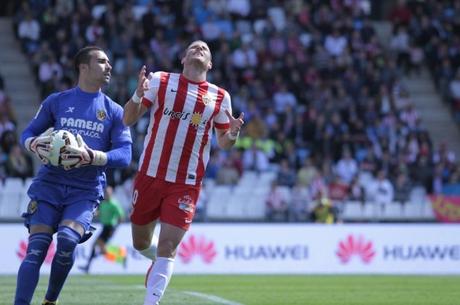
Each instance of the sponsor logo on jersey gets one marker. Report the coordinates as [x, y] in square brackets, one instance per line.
[82, 124]
[180, 115]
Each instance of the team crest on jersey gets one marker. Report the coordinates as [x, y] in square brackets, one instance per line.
[32, 207]
[206, 99]
[101, 115]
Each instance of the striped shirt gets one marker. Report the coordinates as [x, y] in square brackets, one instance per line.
[182, 116]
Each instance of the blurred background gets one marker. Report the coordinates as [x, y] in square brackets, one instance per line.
[352, 107]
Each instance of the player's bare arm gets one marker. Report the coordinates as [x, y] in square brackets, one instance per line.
[134, 109]
[227, 138]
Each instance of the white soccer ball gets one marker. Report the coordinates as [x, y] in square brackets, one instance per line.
[59, 139]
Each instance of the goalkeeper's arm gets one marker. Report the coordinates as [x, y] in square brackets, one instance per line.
[75, 157]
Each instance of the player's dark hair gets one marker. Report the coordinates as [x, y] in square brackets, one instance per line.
[83, 57]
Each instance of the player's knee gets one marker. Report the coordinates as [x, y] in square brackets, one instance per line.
[67, 241]
[167, 248]
[141, 244]
[37, 248]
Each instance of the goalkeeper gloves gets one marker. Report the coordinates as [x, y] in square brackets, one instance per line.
[40, 145]
[82, 155]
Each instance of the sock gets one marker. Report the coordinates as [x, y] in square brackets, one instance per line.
[29, 271]
[62, 262]
[150, 252]
[158, 280]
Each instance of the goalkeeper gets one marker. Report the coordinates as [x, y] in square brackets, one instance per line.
[64, 198]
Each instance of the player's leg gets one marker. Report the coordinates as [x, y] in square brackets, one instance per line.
[77, 218]
[143, 240]
[161, 272]
[28, 275]
[68, 237]
[177, 211]
[40, 219]
[146, 202]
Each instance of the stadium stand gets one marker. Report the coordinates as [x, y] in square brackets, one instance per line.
[322, 94]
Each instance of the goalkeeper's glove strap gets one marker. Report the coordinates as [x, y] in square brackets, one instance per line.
[97, 157]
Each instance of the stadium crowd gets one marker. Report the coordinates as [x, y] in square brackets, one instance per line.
[323, 98]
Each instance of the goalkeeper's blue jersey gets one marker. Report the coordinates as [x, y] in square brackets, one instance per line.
[97, 119]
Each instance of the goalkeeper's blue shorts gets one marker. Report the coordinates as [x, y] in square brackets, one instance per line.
[52, 203]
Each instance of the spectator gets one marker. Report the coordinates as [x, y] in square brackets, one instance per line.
[19, 164]
[382, 191]
[299, 206]
[454, 87]
[277, 203]
[255, 159]
[324, 211]
[347, 167]
[227, 174]
[5, 104]
[286, 175]
[402, 188]
[307, 172]
[29, 33]
[6, 124]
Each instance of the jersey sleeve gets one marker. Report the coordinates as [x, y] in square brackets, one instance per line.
[119, 132]
[43, 119]
[151, 94]
[120, 135]
[221, 120]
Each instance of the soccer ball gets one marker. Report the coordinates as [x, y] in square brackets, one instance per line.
[59, 139]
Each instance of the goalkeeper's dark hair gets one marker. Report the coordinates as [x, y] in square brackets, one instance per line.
[83, 57]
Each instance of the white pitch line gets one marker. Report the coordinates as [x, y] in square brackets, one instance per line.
[212, 298]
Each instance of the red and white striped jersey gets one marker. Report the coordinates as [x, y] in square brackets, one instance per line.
[183, 114]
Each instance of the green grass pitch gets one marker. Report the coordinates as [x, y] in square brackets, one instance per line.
[254, 290]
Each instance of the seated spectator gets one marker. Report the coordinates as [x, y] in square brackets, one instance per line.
[452, 187]
[6, 124]
[286, 175]
[7, 140]
[356, 191]
[5, 104]
[299, 206]
[277, 203]
[19, 164]
[29, 33]
[454, 88]
[255, 159]
[227, 174]
[307, 172]
[402, 188]
[422, 173]
[338, 189]
[381, 191]
[347, 167]
[324, 211]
